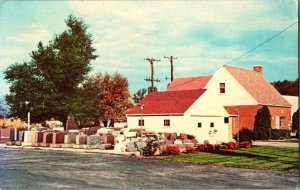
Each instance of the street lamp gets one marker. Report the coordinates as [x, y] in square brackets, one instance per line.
[238, 133]
[28, 115]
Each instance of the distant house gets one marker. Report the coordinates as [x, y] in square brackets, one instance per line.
[229, 100]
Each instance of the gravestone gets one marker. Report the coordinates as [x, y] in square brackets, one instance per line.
[47, 139]
[57, 139]
[94, 142]
[80, 141]
[92, 130]
[69, 140]
[94, 139]
[21, 138]
[130, 147]
[29, 138]
[7, 134]
[71, 123]
[38, 139]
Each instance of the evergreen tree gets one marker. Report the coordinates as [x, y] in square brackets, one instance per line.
[295, 122]
[262, 124]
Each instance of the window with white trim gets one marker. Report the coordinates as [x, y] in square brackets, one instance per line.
[212, 124]
[199, 124]
[281, 122]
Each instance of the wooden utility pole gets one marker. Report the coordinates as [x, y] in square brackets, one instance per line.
[152, 80]
[172, 70]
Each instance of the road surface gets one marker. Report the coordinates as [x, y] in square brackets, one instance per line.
[54, 169]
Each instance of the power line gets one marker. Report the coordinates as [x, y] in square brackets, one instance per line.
[246, 53]
[261, 44]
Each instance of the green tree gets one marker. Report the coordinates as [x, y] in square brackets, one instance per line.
[287, 87]
[262, 124]
[295, 121]
[139, 95]
[50, 80]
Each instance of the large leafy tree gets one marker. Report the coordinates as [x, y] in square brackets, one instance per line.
[139, 95]
[114, 98]
[47, 83]
[287, 87]
[262, 124]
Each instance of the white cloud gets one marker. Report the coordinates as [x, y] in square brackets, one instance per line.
[33, 34]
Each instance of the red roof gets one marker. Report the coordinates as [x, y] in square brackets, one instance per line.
[257, 86]
[168, 102]
[189, 83]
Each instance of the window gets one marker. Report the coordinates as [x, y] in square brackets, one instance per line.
[167, 123]
[212, 124]
[199, 125]
[141, 122]
[226, 120]
[281, 122]
[222, 88]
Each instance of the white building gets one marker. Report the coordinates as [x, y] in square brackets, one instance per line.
[212, 108]
[193, 112]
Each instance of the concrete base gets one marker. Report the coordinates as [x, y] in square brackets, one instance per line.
[95, 146]
[26, 144]
[10, 143]
[45, 144]
[55, 145]
[78, 146]
[18, 143]
[36, 144]
[67, 145]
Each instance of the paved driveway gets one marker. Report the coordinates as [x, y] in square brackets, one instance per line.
[51, 169]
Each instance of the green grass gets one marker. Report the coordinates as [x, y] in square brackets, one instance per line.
[257, 157]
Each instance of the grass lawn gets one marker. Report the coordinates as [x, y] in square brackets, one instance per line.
[257, 157]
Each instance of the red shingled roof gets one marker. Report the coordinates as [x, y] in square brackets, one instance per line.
[189, 83]
[257, 86]
[168, 102]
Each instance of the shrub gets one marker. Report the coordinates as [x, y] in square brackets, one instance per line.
[190, 149]
[280, 134]
[295, 121]
[245, 144]
[172, 150]
[245, 135]
[190, 137]
[210, 148]
[231, 145]
[217, 148]
[206, 147]
[262, 124]
[202, 147]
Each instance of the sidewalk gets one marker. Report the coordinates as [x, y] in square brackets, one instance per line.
[278, 143]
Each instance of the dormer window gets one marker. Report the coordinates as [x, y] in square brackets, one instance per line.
[222, 88]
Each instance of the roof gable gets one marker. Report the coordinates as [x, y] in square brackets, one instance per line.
[257, 86]
[168, 102]
[189, 83]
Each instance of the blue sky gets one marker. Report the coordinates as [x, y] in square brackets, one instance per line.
[203, 35]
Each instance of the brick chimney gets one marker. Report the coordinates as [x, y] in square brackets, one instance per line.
[258, 68]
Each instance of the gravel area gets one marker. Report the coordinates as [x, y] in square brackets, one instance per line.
[52, 169]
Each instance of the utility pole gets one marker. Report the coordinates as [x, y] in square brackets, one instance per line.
[171, 61]
[152, 80]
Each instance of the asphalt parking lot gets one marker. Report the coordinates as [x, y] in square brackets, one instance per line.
[53, 169]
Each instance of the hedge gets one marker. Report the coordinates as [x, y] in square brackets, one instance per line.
[280, 134]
